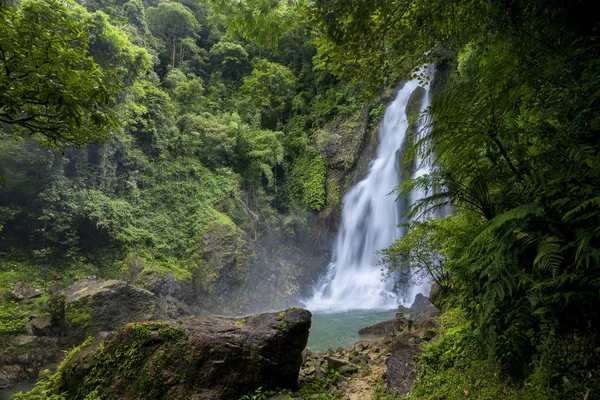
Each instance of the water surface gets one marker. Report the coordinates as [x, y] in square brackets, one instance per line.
[340, 329]
[19, 387]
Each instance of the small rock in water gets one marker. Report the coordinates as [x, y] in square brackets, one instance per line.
[9, 375]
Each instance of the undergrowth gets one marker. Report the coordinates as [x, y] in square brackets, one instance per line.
[454, 367]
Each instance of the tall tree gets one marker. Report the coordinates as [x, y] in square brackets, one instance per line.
[172, 22]
[263, 22]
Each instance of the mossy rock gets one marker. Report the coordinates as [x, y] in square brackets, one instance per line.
[224, 255]
[201, 357]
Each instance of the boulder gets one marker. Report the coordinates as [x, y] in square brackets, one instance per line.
[404, 340]
[10, 375]
[401, 370]
[348, 369]
[336, 363]
[421, 305]
[362, 345]
[424, 322]
[195, 357]
[95, 306]
[24, 291]
[165, 285]
[40, 326]
[388, 327]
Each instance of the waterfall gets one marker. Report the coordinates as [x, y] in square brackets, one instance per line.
[370, 220]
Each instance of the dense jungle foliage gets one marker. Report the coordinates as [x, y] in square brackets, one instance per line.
[192, 119]
[514, 125]
[129, 127]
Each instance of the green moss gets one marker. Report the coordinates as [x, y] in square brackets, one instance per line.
[241, 323]
[222, 247]
[78, 316]
[14, 315]
[149, 263]
[126, 361]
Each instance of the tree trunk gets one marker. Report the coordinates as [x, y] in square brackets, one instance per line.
[173, 64]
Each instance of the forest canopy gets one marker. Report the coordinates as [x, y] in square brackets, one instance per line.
[176, 118]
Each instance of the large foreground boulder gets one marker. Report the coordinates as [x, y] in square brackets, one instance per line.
[193, 358]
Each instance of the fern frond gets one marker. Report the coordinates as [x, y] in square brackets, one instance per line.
[549, 257]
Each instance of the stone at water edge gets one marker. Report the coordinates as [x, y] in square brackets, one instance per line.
[194, 357]
[9, 374]
[24, 291]
[421, 305]
[388, 327]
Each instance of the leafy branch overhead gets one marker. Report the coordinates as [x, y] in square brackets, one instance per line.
[50, 86]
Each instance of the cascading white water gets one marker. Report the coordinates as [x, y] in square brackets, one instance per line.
[370, 219]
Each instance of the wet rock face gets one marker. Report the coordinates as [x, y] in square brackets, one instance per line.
[275, 278]
[165, 285]
[200, 358]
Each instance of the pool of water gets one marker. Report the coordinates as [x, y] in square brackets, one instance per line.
[19, 387]
[340, 329]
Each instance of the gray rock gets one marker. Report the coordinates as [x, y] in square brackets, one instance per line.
[421, 305]
[348, 369]
[386, 327]
[10, 375]
[424, 322]
[40, 326]
[404, 340]
[25, 356]
[320, 371]
[336, 363]
[23, 340]
[401, 370]
[165, 285]
[111, 304]
[200, 357]
[23, 291]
